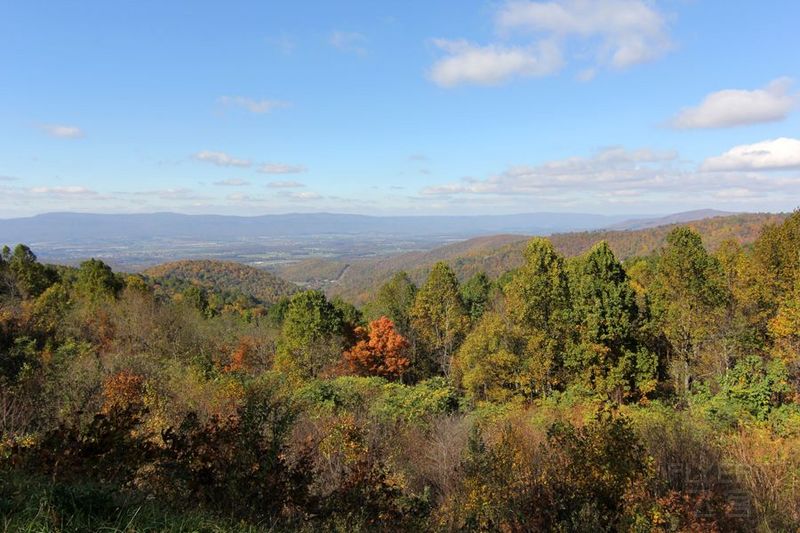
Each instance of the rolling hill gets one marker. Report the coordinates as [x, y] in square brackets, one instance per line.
[225, 277]
[497, 254]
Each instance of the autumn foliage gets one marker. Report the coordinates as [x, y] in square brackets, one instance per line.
[380, 351]
[241, 355]
[122, 390]
[589, 393]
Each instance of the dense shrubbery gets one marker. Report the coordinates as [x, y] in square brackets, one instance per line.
[661, 394]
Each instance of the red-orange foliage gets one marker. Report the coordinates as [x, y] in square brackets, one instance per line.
[380, 352]
[240, 357]
[122, 390]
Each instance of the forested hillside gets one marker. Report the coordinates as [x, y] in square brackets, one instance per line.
[577, 393]
[225, 277]
[498, 254]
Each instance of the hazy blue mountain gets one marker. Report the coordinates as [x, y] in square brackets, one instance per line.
[82, 227]
[675, 218]
[136, 241]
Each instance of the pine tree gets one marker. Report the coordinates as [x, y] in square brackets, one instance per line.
[607, 355]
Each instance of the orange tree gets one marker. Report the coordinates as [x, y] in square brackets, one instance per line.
[381, 351]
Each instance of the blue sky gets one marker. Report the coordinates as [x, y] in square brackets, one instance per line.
[606, 106]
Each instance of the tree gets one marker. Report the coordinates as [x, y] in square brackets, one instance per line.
[351, 317]
[311, 336]
[50, 308]
[767, 278]
[196, 297]
[137, 283]
[756, 386]
[475, 294]
[785, 331]
[380, 351]
[96, 280]
[605, 312]
[438, 317]
[394, 300]
[537, 301]
[276, 312]
[493, 363]
[776, 253]
[688, 301]
[30, 277]
[6, 283]
[747, 310]
[537, 297]
[123, 390]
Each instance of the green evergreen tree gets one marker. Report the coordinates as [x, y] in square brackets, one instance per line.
[607, 356]
[537, 297]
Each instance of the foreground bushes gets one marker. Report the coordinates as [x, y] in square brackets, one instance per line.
[277, 463]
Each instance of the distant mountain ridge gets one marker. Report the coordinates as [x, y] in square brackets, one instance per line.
[676, 218]
[323, 243]
[79, 227]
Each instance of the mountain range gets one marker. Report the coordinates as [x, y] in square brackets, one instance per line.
[89, 227]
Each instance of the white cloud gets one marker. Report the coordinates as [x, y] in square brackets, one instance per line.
[349, 41]
[177, 193]
[72, 190]
[281, 168]
[764, 172]
[171, 193]
[8, 178]
[252, 105]
[492, 64]
[610, 169]
[285, 184]
[735, 107]
[303, 196]
[737, 193]
[614, 33]
[775, 154]
[62, 131]
[629, 32]
[240, 197]
[221, 159]
[233, 182]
